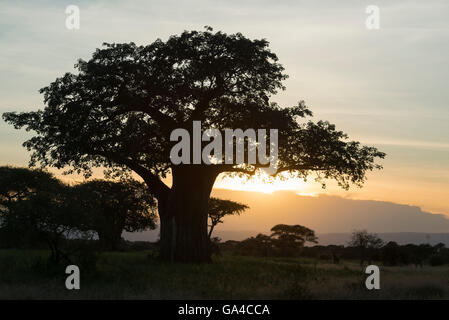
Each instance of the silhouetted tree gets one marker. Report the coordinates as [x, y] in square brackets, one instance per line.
[219, 208]
[419, 253]
[366, 243]
[19, 184]
[265, 243]
[391, 254]
[215, 245]
[289, 238]
[120, 107]
[440, 255]
[34, 208]
[260, 245]
[111, 207]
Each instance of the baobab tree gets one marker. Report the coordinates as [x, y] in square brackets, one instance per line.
[118, 111]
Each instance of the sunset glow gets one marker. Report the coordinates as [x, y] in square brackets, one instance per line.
[261, 182]
[224, 159]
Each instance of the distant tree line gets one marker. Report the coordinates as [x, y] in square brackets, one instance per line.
[285, 240]
[364, 247]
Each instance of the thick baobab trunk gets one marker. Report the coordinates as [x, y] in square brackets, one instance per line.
[183, 215]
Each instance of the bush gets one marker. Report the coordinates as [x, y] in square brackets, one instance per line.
[437, 260]
[86, 256]
[324, 256]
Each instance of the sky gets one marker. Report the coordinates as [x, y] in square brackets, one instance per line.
[385, 87]
[333, 218]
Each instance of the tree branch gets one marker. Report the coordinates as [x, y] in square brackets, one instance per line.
[154, 183]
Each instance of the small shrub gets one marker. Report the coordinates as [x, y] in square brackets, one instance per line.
[436, 260]
[324, 257]
[86, 258]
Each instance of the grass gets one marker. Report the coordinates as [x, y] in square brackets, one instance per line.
[25, 274]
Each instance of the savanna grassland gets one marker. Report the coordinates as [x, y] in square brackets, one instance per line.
[26, 274]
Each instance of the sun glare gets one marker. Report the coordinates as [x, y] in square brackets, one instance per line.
[261, 183]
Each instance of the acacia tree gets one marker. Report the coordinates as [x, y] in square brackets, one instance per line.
[291, 237]
[293, 233]
[119, 109]
[366, 243]
[34, 208]
[219, 208]
[110, 207]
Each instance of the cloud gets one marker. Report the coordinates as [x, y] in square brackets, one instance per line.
[330, 213]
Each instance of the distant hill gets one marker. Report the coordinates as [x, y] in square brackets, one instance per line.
[333, 218]
[328, 214]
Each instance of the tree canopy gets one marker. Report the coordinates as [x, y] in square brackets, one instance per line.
[111, 207]
[121, 105]
[365, 242]
[219, 208]
[34, 207]
[118, 109]
[293, 233]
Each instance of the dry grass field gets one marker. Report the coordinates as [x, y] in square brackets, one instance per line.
[137, 275]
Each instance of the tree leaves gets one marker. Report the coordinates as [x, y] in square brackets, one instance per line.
[118, 110]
